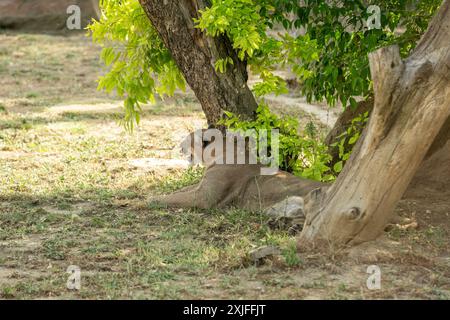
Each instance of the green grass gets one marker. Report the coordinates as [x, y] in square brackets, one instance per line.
[87, 206]
[68, 196]
[187, 178]
[32, 95]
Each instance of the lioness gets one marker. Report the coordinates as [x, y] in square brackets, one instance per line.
[240, 185]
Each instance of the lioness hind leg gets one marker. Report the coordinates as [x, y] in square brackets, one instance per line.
[177, 199]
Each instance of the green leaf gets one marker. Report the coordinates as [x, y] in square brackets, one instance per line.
[353, 139]
[338, 167]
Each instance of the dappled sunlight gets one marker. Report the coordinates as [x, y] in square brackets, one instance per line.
[75, 188]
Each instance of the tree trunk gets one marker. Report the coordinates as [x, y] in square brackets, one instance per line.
[196, 54]
[441, 139]
[345, 119]
[412, 103]
[96, 6]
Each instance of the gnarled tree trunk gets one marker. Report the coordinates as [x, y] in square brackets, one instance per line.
[196, 54]
[96, 6]
[412, 103]
[345, 119]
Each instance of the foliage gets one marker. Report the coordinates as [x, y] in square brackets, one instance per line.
[348, 139]
[325, 44]
[329, 56]
[139, 64]
[301, 153]
[290, 255]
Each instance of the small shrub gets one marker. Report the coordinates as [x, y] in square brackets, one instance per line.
[348, 139]
[301, 153]
[290, 255]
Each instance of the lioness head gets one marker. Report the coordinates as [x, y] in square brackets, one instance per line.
[193, 145]
[202, 147]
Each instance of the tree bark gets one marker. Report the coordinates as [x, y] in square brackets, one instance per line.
[96, 6]
[345, 119]
[412, 103]
[195, 53]
[441, 139]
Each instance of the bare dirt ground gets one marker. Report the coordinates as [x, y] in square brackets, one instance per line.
[72, 194]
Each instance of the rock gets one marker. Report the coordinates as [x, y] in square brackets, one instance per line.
[288, 215]
[410, 226]
[262, 252]
[291, 207]
[43, 15]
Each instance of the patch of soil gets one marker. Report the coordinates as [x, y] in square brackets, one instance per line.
[151, 164]
[87, 108]
[76, 209]
[27, 244]
[10, 276]
[8, 155]
[433, 177]
[429, 193]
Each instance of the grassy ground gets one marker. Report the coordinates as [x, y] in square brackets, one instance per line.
[69, 196]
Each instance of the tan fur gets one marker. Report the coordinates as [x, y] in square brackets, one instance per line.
[239, 185]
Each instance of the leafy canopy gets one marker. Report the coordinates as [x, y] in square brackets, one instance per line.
[139, 64]
[325, 43]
